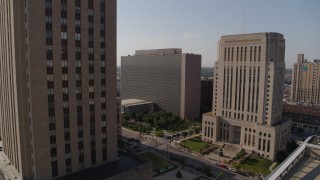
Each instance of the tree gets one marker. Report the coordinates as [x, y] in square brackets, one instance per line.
[197, 130]
[240, 154]
[191, 132]
[139, 116]
[133, 115]
[125, 117]
[220, 175]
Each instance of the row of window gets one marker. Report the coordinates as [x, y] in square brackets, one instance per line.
[240, 53]
[65, 84]
[240, 88]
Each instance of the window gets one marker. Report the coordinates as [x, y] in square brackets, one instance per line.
[49, 34]
[48, 20]
[63, 35]
[77, 37]
[77, 23]
[54, 168]
[63, 21]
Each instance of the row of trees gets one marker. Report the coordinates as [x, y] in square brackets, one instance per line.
[164, 120]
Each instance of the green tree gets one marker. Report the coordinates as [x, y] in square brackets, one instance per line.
[133, 115]
[220, 175]
[240, 154]
[197, 130]
[139, 117]
[125, 117]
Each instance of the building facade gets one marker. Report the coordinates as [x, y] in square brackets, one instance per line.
[247, 94]
[303, 116]
[206, 94]
[58, 85]
[306, 81]
[166, 77]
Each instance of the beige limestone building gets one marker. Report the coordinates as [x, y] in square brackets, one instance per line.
[166, 77]
[306, 81]
[247, 94]
[58, 85]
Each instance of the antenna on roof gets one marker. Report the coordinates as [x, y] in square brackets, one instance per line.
[244, 22]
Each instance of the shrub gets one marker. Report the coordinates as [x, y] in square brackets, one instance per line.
[240, 154]
[159, 133]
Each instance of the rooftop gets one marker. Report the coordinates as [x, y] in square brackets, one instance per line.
[315, 141]
[306, 104]
[134, 102]
[159, 51]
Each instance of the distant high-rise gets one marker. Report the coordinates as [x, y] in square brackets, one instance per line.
[247, 94]
[306, 81]
[166, 77]
[58, 85]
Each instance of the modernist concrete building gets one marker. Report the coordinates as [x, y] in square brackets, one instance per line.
[247, 94]
[130, 106]
[166, 77]
[306, 81]
[58, 85]
[119, 126]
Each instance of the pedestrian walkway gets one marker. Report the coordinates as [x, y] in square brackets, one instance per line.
[7, 170]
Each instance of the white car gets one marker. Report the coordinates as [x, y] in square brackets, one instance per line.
[232, 169]
[215, 162]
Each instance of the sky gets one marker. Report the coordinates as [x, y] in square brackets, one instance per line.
[196, 25]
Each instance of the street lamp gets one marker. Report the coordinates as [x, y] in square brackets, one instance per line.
[156, 145]
[167, 149]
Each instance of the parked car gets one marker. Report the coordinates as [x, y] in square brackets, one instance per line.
[232, 169]
[223, 166]
[215, 163]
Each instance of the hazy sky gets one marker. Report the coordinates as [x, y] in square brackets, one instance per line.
[196, 25]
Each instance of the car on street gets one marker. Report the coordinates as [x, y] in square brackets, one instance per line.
[232, 169]
[215, 162]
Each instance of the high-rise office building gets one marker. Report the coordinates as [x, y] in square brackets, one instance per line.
[247, 94]
[167, 77]
[58, 85]
[306, 81]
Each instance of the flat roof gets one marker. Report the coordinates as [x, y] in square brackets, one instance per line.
[125, 163]
[315, 140]
[134, 101]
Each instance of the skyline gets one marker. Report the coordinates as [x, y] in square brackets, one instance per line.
[142, 25]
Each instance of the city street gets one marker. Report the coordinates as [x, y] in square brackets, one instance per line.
[162, 146]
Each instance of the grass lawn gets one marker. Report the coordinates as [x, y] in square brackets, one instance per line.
[275, 166]
[195, 144]
[157, 161]
[256, 165]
